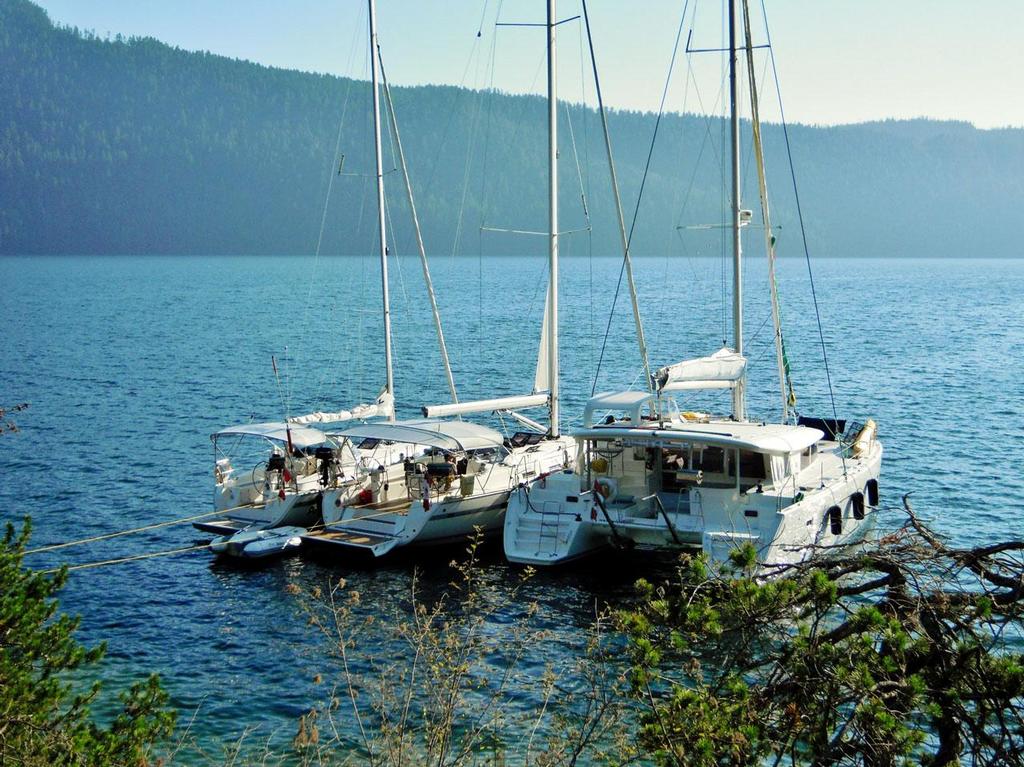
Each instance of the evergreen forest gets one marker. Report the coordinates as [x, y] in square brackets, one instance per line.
[128, 145]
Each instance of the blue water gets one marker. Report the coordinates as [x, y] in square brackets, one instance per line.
[130, 363]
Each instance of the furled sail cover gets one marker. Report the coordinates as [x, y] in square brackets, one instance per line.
[542, 376]
[384, 406]
[719, 371]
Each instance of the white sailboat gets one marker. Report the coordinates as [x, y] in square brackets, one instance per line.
[268, 475]
[287, 490]
[460, 475]
[653, 476]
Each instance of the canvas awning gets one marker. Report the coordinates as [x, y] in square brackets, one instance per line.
[632, 402]
[302, 436]
[775, 439]
[445, 435]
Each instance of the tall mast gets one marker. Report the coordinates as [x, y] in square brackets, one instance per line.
[785, 384]
[738, 405]
[419, 234]
[553, 223]
[375, 77]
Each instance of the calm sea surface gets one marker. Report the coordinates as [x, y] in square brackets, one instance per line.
[131, 363]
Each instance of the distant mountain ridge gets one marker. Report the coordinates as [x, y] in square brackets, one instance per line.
[132, 146]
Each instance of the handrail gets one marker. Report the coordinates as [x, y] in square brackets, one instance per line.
[664, 515]
[604, 510]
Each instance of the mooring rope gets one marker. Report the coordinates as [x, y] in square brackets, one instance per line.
[149, 555]
[120, 560]
[155, 526]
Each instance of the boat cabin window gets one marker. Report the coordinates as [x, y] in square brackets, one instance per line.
[710, 460]
[716, 464]
[488, 453]
[752, 467]
[525, 438]
[673, 461]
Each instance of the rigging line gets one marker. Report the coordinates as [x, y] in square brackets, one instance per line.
[356, 33]
[800, 216]
[483, 15]
[280, 391]
[579, 172]
[313, 282]
[643, 182]
[627, 260]
[485, 188]
[669, 241]
[118, 534]
[753, 337]
[590, 232]
[474, 127]
[120, 560]
[393, 252]
[705, 142]
[461, 218]
[518, 123]
[452, 111]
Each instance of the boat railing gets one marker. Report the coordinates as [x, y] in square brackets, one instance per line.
[664, 515]
[608, 518]
[491, 466]
[519, 469]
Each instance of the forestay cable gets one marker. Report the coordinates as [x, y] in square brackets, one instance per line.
[639, 199]
[800, 216]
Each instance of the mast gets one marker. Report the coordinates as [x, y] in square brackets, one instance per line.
[553, 224]
[419, 235]
[738, 405]
[389, 386]
[785, 384]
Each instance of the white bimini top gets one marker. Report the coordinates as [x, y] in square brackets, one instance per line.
[446, 435]
[302, 436]
[772, 438]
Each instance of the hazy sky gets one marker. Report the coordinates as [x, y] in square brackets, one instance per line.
[839, 61]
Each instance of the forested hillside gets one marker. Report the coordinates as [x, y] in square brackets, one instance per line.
[132, 146]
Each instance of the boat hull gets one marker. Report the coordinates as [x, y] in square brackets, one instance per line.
[556, 521]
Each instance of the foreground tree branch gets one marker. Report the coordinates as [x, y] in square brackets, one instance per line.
[45, 718]
[905, 651]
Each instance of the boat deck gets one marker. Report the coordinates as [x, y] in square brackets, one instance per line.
[344, 538]
[221, 526]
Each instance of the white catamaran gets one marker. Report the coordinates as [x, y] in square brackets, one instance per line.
[652, 476]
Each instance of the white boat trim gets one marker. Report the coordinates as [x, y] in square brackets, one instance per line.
[446, 435]
[301, 436]
[774, 439]
[486, 405]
